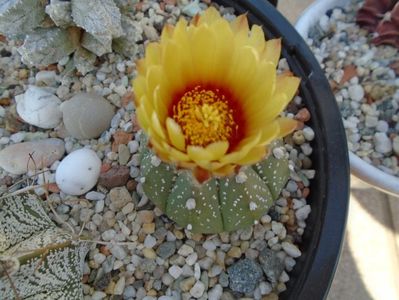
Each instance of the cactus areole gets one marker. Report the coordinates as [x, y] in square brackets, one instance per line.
[209, 101]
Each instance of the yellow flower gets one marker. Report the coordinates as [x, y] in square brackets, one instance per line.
[208, 95]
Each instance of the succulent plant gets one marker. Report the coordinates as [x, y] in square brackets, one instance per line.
[381, 18]
[38, 260]
[210, 101]
[52, 30]
[219, 204]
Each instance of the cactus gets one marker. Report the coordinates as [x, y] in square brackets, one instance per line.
[54, 29]
[219, 204]
[38, 260]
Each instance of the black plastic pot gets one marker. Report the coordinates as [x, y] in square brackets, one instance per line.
[323, 237]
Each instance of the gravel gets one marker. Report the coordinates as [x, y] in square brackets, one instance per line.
[137, 253]
[365, 85]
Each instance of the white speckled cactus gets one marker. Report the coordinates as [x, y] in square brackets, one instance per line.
[219, 204]
[54, 29]
[37, 259]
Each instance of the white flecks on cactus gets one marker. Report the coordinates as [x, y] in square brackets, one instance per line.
[252, 206]
[190, 203]
[50, 263]
[83, 162]
[279, 152]
[241, 177]
[189, 227]
[155, 161]
[40, 107]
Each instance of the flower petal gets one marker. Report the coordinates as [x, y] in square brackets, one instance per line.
[199, 154]
[288, 85]
[272, 51]
[240, 24]
[156, 125]
[253, 156]
[175, 134]
[209, 16]
[217, 149]
[257, 38]
[286, 125]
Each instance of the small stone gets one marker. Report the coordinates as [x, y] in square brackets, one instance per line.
[133, 146]
[291, 249]
[148, 228]
[119, 197]
[118, 252]
[185, 250]
[120, 286]
[192, 259]
[19, 158]
[371, 121]
[166, 249]
[215, 293]
[129, 292]
[46, 77]
[356, 92]
[308, 133]
[234, 252]
[303, 212]
[149, 253]
[197, 290]
[209, 245]
[271, 264]
[382, 143]
[39, 107]
[94, 196]
[114, 177]
[98, 295]
[150, 241]
[395, 144]
[191, 9]
[298, 137]
[123, 154]
[87, 115]
[187, 284]
[303, 115]
[382, 126]
[175, 271]
[244, 275]
[99, 258]
[145, 216]
[265, 288]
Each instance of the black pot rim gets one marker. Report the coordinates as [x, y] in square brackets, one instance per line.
[323, 237]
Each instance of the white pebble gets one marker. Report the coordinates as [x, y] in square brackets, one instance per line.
[133, 146]
[94, 196]
[291, 249]
[120, 286]
[382, 143]
[215, 293]
[84, 162]
[17, 137]
[209, 245]
[303, 212]
[185, 250]
[356, 92]
[99, 258]
[192, 259]
[175, 271]
[150, 241]
[371, 121]
[382, 126]
[265, 288]
[197, 290]
[308, 133]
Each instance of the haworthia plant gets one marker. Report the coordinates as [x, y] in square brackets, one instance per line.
[219, 204]
[38, 260]
[54, 29]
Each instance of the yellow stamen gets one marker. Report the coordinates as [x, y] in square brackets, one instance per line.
[204, 116]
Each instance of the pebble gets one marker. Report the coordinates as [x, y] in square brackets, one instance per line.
[197, 290]
[114, 177]
[303, 212]
[40, 107]
[166, 249]
[119, 197]
[175, 271]
[19, 158]
[84, 162]
[185, 250]
[216, 292]
[120, 286]
[118, 252]
[46, 77]
[382, 143]
[356, 92]
[395, 145]
[244, 275]
[150, 241]
[271, 264]
[291, 249]
[87, 115]
[95, 196]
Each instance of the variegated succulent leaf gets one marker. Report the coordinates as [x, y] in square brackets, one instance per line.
[218, 204]
[50, 260]
[19, 17]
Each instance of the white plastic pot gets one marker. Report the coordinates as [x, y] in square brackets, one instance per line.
[361, 169]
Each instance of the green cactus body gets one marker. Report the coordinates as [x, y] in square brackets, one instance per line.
[219, 204]
[38, 260]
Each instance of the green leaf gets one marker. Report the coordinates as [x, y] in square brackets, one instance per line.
[244, 199]
[195, 205]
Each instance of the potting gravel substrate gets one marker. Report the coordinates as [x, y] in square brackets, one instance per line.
[364, 78]
[82, 125]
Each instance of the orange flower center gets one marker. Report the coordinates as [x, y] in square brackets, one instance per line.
[205, 116]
